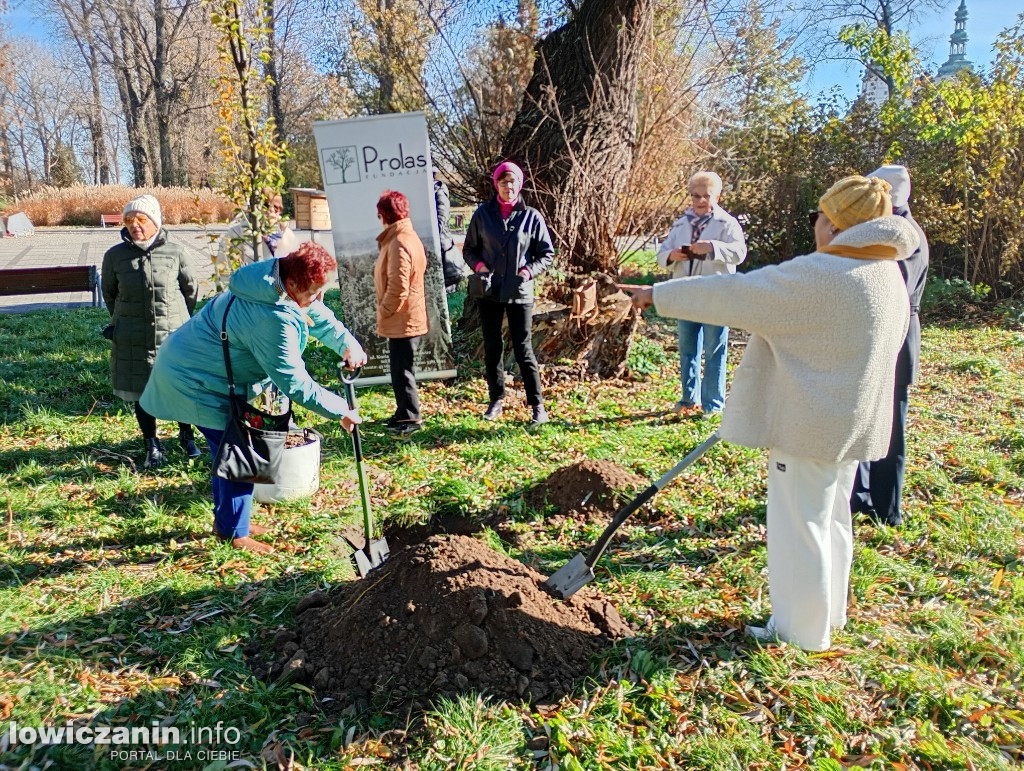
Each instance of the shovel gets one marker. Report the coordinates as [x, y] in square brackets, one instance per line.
[369, 552]
[579, 571]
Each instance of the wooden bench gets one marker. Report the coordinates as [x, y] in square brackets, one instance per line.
[111, 219]
[74, 278]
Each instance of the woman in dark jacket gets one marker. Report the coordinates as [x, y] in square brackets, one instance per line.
[510, 241]
[150, 291]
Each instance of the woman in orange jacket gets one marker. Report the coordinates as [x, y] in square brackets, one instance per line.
[401, 304]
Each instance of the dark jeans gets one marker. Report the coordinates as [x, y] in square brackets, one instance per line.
[147, 424]
[520, 329]
[878, 485]
[401, 352]
[232, 501]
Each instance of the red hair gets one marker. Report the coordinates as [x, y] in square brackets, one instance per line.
[309, 265]
[392, 206]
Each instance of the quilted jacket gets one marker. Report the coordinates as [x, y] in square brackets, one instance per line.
[149, 294]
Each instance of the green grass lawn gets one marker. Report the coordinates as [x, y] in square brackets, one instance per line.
[116, 609]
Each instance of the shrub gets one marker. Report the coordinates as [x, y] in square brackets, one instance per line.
[83, 204]
[646, 357]
[944, 296]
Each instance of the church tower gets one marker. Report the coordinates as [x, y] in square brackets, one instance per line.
[873, 90]
[957, 46]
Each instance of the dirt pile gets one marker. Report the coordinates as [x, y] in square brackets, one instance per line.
[441, 617]
[587, 487]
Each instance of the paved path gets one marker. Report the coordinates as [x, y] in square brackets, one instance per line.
[55, 247]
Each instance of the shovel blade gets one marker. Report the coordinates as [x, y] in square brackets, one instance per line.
[363, 565]
[371, 556]
[379, 551]
[570, 578]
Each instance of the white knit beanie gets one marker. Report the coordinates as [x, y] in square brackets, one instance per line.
[899, 178]
[148, 205]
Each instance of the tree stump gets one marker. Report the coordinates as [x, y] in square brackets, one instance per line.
[587, 322]
[584, 323]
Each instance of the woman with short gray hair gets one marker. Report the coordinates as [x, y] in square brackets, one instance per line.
[705, 241]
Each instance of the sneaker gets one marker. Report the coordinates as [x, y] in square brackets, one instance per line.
[540, 416]
[763, 634]
[494, 410]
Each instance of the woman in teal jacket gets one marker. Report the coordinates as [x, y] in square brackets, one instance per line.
[279, 306]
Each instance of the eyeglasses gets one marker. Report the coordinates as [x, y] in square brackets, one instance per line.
[142, 219]
[812, 217]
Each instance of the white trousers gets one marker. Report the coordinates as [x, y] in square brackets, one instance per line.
[810, 547]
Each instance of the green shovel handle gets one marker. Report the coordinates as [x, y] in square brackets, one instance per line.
[357, 446]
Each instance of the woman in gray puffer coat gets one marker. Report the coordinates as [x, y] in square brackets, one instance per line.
[150, 291]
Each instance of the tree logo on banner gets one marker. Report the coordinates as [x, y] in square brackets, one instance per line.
[341, 161]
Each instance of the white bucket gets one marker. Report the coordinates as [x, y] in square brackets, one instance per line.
[300, 472]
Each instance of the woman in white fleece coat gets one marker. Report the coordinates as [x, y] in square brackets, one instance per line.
[814, 388]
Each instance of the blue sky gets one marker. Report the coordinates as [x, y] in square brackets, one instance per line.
[985, 20]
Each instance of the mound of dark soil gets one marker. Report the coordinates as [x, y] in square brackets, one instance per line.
[441, 617]
[588, 487]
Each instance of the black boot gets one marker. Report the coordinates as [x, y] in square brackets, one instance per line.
[188, 442]
[154, 454]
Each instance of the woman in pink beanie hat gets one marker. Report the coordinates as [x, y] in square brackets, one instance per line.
[509, 242]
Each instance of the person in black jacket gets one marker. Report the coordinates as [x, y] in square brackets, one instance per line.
[452, 264]
[510, 241]
[878, 485]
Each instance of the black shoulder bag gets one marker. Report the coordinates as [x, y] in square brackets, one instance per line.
[253, 441]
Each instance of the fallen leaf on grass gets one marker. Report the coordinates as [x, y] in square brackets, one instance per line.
[977, 715]
[860, 760]
[997, 580]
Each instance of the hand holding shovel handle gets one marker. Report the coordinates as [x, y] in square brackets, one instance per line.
[373, 551]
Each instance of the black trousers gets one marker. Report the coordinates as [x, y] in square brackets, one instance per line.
[520, 330]
[401, 352]
[147, 424]
[878, 486]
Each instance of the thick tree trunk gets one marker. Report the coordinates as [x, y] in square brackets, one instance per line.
[80, 16]
[135, 133]
[575, 137]
[133, 97]
[97, 133]
[163, 95]
[575, 131]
